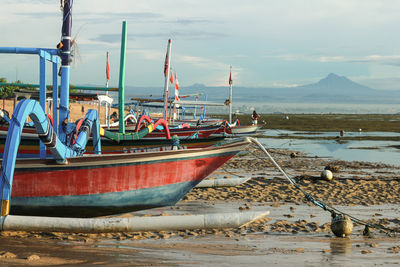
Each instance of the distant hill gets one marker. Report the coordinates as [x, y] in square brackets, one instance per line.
[331, 89]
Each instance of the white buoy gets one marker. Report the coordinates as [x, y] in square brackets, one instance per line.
[131, 224]
[327, 175]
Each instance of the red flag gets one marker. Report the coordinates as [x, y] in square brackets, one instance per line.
[176, 82]
[230, 78]
[166, 66]
[108, 69]
[176, 88]
[171, 78]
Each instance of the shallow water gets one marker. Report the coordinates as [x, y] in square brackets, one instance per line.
[327, 134]
[263, 249]
[352, 150]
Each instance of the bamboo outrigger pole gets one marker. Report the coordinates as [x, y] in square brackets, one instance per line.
[134, 224]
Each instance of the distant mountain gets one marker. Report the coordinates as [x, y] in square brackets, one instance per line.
[335, 84]
[331, 89]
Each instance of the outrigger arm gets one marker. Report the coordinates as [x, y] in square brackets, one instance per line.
[30, 108]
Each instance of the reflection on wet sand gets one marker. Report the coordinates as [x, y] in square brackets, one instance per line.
[341, 245]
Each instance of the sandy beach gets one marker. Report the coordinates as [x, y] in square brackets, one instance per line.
[295, 231]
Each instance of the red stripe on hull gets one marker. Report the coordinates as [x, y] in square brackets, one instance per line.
[112, 179]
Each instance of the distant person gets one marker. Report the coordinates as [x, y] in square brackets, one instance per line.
[254, 117]
[114, 116]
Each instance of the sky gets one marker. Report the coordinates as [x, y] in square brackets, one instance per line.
[268, 43]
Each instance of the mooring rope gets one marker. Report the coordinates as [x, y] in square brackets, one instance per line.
[320, 203]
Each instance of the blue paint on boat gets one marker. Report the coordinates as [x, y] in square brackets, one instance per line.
[99, 204]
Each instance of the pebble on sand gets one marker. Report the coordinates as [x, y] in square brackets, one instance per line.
[33, 257]
[7, 255]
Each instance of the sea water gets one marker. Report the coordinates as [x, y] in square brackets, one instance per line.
[349, 150]
[325, 108]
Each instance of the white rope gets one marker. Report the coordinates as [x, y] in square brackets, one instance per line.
[255, 141]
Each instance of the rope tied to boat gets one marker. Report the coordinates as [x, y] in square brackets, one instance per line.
[334, 212]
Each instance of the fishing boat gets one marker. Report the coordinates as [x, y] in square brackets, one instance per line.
[136, 139]
[96, 185]
[74, 184]
[29, 146]
[244, 129]
[183, 131]
[235, 128]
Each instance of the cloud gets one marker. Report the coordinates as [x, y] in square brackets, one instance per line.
[106, 17]
[393, 60]
[284, 85]
[107, 38]
[39, 15]
[193, 35]
[149, 54]
[202, 62]
[189, 21]
[379, 59]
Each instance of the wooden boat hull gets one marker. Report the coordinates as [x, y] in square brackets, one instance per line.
[245, 130]
[202, 132]
[29, 146]
[108, 184]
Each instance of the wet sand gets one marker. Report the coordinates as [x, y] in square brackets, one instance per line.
[295, 233]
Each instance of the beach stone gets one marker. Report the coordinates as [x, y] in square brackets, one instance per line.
[7, 255]
[332, 168]
[33, 257]
[300, 250]
[366, 251]
[394, 249]
[373, 245]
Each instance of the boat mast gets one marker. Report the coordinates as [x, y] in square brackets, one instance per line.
[167, 70]
[108, 107]
[230, 96]
[121, 87]
[65, 54]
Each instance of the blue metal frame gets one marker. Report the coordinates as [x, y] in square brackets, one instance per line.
[44, 55]
[54, 140]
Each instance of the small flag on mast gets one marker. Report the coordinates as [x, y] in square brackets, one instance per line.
[171, 78]
[230, 77]
[176, 88]
[107, 71]
[176, 96]
[166, 66]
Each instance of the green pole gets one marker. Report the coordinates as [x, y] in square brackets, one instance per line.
[121, 87]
